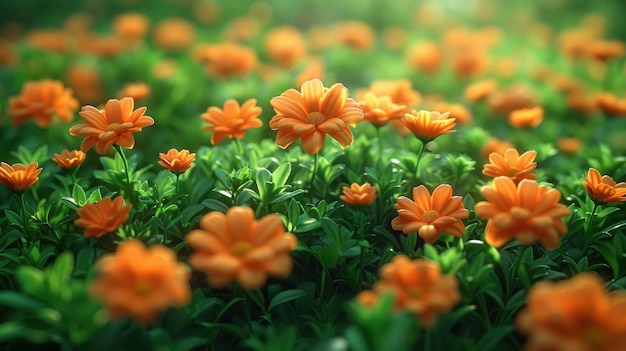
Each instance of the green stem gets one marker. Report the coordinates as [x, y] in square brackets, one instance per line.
[419, 158]
[411, 242]
[361, 237]
[380, 146]
[239, 151]
[131, 190]
[588, 227]
[315, 162]
[25, 223]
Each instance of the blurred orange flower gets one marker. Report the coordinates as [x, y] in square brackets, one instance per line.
[41, 101]
[241, 29]
[511, 164]
[603, 188]
[526, 117]
[131, 26]
[113, 125]
[573, 314]
[610, 105]
[469, 63]
[103, 217]
[401, 93]
[480, 90]
[512, 98]
[569, 145]
[314, 68]
[358, 194]
[227, 59]
[140, 282]
[604, 50]
[425, 56]
[285, 46]
[495, 145]
[235, 246]
[428, 215]
[526, 212]
[69, 159]
[379, 110]
[53, 40]
[355, 34]
[427, 125]
[18, 177]
[174, 34]
[86, 81]
[136, 91]
[233, 121]
[313, 113]
[176, 161]
[457, 111]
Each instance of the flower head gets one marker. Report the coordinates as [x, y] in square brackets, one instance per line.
[19, 177]
[285, 46]
[174, 34]
[359, 194]
[131, 26]
[425, 56]
[527, 212]
[235, 246]
[136, 91]
[113, 125]
[233, 121]
[526, 117]
[511, 164]
[569, 145]
[41, 101]
[428, 215]
[69, 159]
[313, 113]
[140, 282]
[103, 217]
[603, 188]
[427, 125]
[227, 60]
[176, 161]
[495, 145]
[379, 110]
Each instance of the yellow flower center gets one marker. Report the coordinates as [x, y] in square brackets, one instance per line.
[240, 248]
[112, 127]
[142, 288]
[315, 118]
[430, 216]
[512, 172]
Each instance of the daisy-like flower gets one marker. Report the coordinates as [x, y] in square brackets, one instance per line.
[227, 59]
[569, 145]
[113, 125]
[495, 145]
[136, 91]
[131, 26]
[235, 246]
[176, 161]
[526, 212]
[379, 110]
[69, 159]
[428, 215]
[313, 113]
[603, 188]
[427, 125]
[526, 117]
[140, 282]
[285, 46]
[610, 105]
[103, 217]
[41, 101]
[18, 177]
[574, 314]
[511, 164]
[418, 286]
[233, 121]
[358, 194]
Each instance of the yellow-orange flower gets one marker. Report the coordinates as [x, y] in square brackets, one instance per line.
[480, 90]
[113, 125]
[140, 282]
[428, 215]
[19, 177]
[41, 101]
[610, 105]
[131, 26]
[233, 121]
[569, 145]
[174, 34]
[425, 56]
[235, 246]
[427, 125]
[513, 98]
[136, 91]
[603, 187]
[574, 314]
[103, 217]
[86, 81]
[358, 194]
[511, 164]
[69, 159]
[495, 145]
[355, 34]
[314, 68]
[605, 50]
[285, 46]
[418, 287]
[313, 113]
[457, 111]
[526, 117]
[176, 161]
[526, 212]
[379, 110]
[227, 60]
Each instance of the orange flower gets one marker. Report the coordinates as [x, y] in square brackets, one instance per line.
[401, 93]
[140, 282]
[603, 188]
[86, 81]
[569, 145]
[418, 286]
[227, 59]
[480, 90]
[425, 56]
[394, 38]
[513, 98]
[18, 177]
[176, 161]
[469, 63]
[69, 159]
[355, 34]
[457, 111]
[314, 68]
[136, 91]
[359, 194]
[495, 145]
[131, 26]
[526, 117]
[428, 215]
[113, 125]
[427, 125]
[174, 34]
[313, 113]
[379, 110]
[606, 50]
[285, 46]
[574, 314]
[103, 217]
[233, 121]
[526, 212]
[511, 164]
[235, 246]
[41, 101]
[610, 105]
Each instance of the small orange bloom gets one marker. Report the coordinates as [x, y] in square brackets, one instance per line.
[18, 177]
[428, 215]
[527, 212]
[401, 93]
[457, 111]
[136, 91]
[69, 159]
[313, 113]
[495, 145]
[469, 63]
[574, 314]
[103, 217]
[526, 117]
[285, 46]
[41, 101]
[314, 68]
[418, 287]
[427, 125]
[358, 194]
[379, 110]
[511, 164]
[227, 59]
[176, 161]
[241, 29]
[86, 81]
[174, 34]
[234, 246]
[355, 34]
[113, 125]
[604, 50]
[131, 26]
[233, 121]
[569, 145]
[610, 105]
[603, 188]
[513, 98]
[140, 282]
[480, 90]
[425, 56]
[394, 38]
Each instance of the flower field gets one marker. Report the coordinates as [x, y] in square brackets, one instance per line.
[312, 175]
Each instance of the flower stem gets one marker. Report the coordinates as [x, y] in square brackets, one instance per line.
[25, 223]
[131, 190]
[588, 227]
[315, 162]
[419, 158]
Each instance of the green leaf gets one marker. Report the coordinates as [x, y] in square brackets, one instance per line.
[19, 301]
[78, 194]
[285, 296]
[328, 256]
[215, 205]
[281, 174]
[31, 279]
[491, 338]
